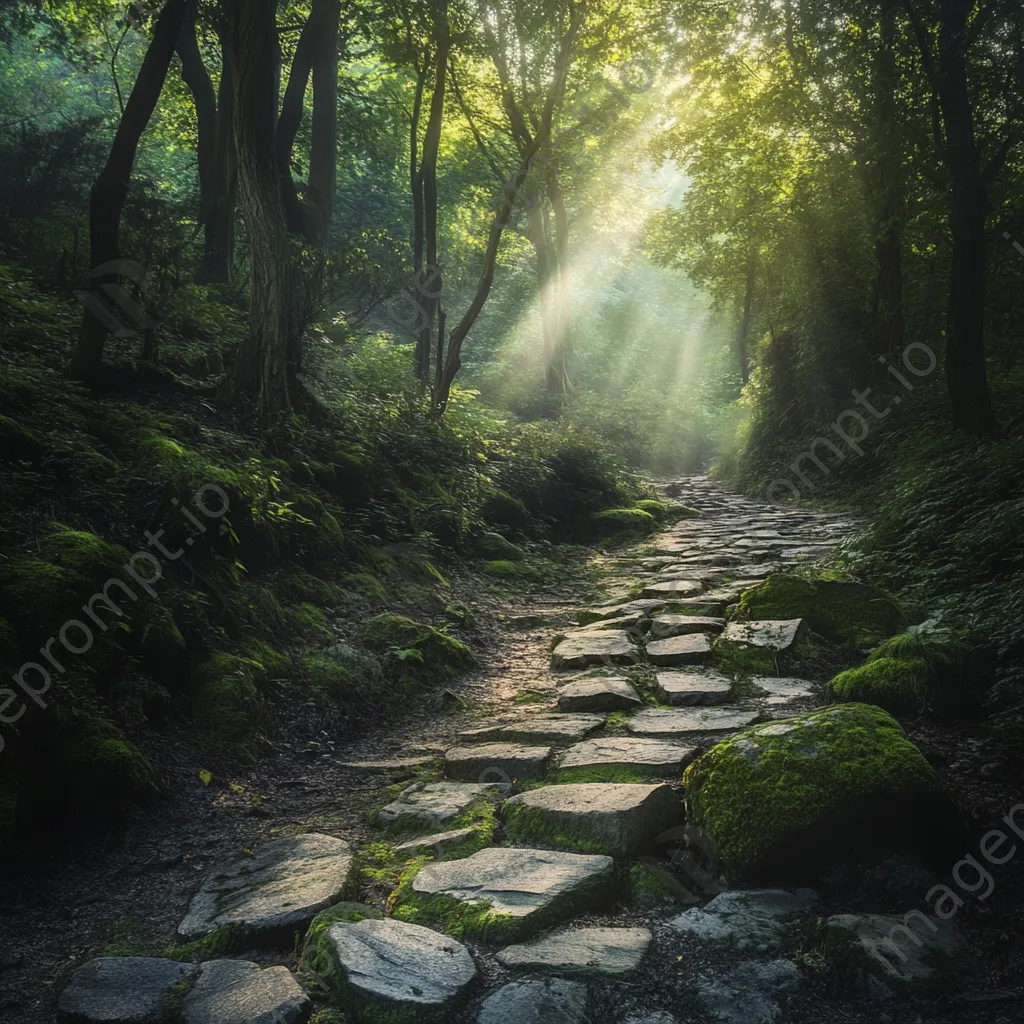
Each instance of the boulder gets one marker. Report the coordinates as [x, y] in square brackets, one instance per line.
[509, 892]
[229, 991]
[609, 951]
[598, 693]
[617, 819]
[749, 993]
[124, 990]
[536, 1001]
[497, 762]
[686, 688]
[789, 798]
[841, 610]
[267, 896]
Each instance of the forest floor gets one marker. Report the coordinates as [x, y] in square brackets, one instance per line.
[126, 895]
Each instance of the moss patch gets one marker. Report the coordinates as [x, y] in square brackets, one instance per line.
[415, 649]
[896, 684]
[529, 826]
[318, 962]
[758, 795]
[342, 672]
[622, 522]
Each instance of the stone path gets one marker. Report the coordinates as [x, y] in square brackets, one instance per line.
[537, 868]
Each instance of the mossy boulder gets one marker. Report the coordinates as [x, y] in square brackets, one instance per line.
[342, 672]
[493, 547]
[502, 509]
[789, 798]
[414, 647]
[896, 684]
[843, 611]
[622, 522]
[318, 960]
[226, 703]
[658, 509]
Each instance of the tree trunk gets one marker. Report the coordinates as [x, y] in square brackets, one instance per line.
[220, 233]
[197, 78]
[558, 378]
[260, 370]
[966, 376]
[107, 199]
[428, 173]
[887, 188]
[323, 152]
[743, 334]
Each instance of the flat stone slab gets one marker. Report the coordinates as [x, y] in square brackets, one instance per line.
[554, 728]
[783, 691]
[650, 757]
[670, 590]
[273, 892]
[598, 693]
[438, 840]
[532, 889]
[625, 621]
[434, 803]
[536, 1001]
[710, 607]
[766, 634]
[497, 762]
[615, 611]
[691, 649]
[621, 818]
[752, 919]
[899, 955]
[393, 764]
[397, 966]
[599, 647]
[749, 993]
[687, 688]
[123, 990]
[229, 991]
[688, 721]
[612, 951]
[668, 625]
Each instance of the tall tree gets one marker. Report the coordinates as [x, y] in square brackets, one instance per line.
[109, 193]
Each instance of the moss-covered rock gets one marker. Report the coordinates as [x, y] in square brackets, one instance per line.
[102, 771]
[494, 547]
[318, 961]
[342, 672]
[793, 795]
[841, 610]
[502, 509]
[414, 647]
[622, 522]
[226, 703]
[896, 684]
[658, 509]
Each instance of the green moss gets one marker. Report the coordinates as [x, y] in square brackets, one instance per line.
[329, 1016]
[309, 620]
[493, 546]
[342, 672]
[504, 569]
[504, 510]
[226, 704]
[367, 586]
[415, 648]
[301, 587]
[459, 613]
[217, 944]
[529, 826]
[841, 610]
[274, 664]
[757, 790]
[896, 684]
[658, 509]
[455, 917]
[607, 773]
[622, 522]
[102, 770]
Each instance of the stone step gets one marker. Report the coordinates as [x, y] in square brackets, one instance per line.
[267, 896]
[598, 693]
[581, 951]
[536, 1001]
[611, 756]
[612, 647]
[698, 687]
[619, 819]
[497, 762]
[672, 590]
[688, 649]
[689, 721]
[665, 626]
[430, 804]
[766, 634]
[525, 890]
[542, 728]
